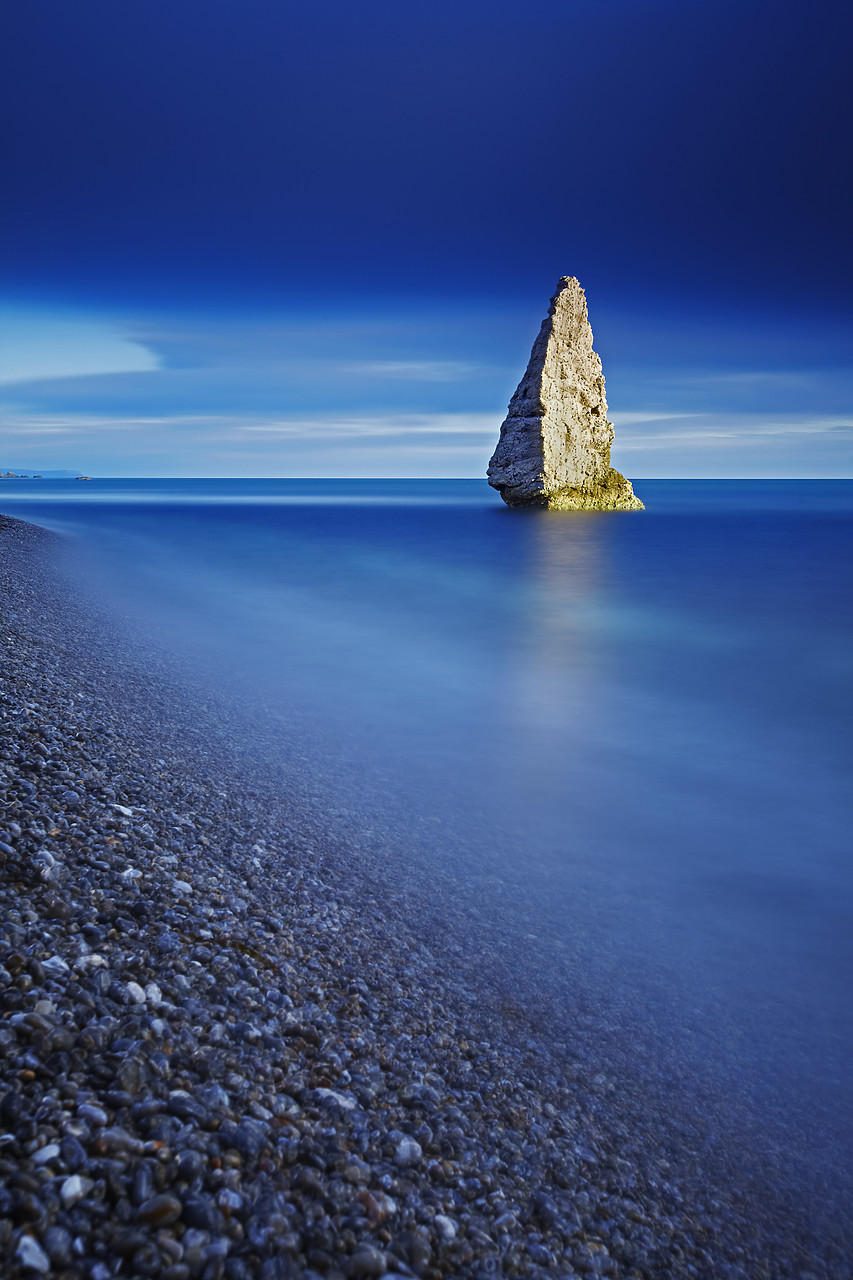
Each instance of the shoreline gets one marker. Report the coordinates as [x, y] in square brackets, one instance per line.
[223, 1055]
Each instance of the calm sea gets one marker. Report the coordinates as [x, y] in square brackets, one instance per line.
[613, 748]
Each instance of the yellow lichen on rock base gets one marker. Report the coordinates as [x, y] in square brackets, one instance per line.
[615, 493]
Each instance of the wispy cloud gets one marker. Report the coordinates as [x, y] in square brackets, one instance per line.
[746, 378]
[697, 430]
[731, 445]
[15, 423]
[645, 415]
[221, 427]
[40, 346]
[412, 370]
[407, 424]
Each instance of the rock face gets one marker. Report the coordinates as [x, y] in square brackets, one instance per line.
[554, 447]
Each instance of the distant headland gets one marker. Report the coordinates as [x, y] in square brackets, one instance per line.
[30, 474]
[554, 446]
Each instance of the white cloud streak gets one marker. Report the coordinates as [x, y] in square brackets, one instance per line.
[220, 427]
[410, 424]
[731, 428]
[411, 370]
[629, 419]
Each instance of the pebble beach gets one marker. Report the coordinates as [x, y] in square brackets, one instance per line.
[226, 1051]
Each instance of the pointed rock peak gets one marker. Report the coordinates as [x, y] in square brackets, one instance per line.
[554, 446]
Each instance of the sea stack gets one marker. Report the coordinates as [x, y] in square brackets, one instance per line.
[554, 447]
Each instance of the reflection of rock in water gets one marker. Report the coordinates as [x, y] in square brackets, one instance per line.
[554, 447]
[555, 683]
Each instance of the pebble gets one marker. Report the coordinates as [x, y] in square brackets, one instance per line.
[74, 1189]
[343, 1100]
[229, 1201]
[30, 1254]
[160, 1211]
[48, 1153]
[368, 1261]
[73, 1153]
[446, 1226]
[94, 1114]
[57, 1244]
[408, 1153]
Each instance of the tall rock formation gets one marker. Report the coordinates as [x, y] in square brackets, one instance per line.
[554, 447]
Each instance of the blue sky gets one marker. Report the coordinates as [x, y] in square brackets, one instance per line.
[281, 239]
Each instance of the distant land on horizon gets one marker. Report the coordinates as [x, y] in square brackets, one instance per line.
[32, 473]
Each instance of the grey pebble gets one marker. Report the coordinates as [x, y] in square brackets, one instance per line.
[368, 1261]
[73, 1153]
[408, 1153]
[95, 1115]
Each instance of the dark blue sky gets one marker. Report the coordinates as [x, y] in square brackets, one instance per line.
[177, 171]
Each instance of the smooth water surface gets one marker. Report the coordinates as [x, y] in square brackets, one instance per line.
[620, 740]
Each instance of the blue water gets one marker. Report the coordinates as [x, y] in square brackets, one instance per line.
[614, 749]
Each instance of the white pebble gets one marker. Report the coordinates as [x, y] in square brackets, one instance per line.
[30, 1254]
[446, 1226]
[46, 1154]
[183, 887]
[153, 994]
[74, 1189]
[344, 1100]
[135, 993]
[408, 1152]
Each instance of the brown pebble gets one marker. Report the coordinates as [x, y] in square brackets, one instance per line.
[160, 1211]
